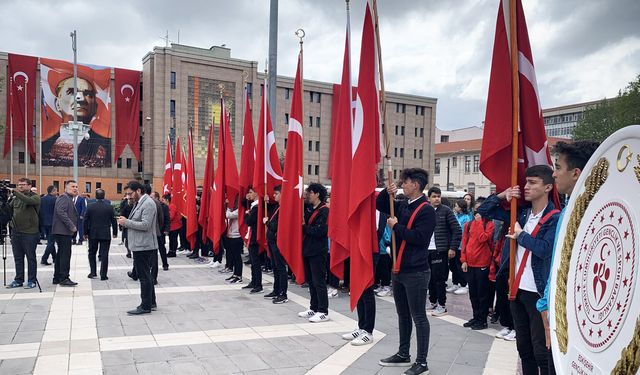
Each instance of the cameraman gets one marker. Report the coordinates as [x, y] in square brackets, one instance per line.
[25, 234]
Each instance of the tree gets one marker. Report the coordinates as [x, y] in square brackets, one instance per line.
[608, 116]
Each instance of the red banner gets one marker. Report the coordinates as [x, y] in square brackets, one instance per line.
[21, 99]
[207, 187]
[168, 171]
[247, 162]
[56, 80]
[177, 192]
[127, 98]
[190, 196]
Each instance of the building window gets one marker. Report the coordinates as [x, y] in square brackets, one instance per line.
[317, 122]
[311, 121]
[444, 138]
[318, 95]
[98, 185]
[285, 143]
[421, 132]
[56, 184]
[87, 187]
[454, 161]
[317, 170]
[310, 145]
[467, 164]
[21, 157]
[401, 152]
[318, 146]
[421, 111]
[397, 127]
[249, 90]
[471, 188]
[492, 189]
[420, 154]
[450, 186]
[476, 163]
[261, 88]
[309, 169]
[417, 110]
[311, 96]
[173, 80]
[415, 132]
[140, 166]
[287, 94]
[119, 188]
[395, 152]
[119, 164]
[400, 108]
[172, 108]
[437, 166]
[415, 153]
[286, 119]
[395, 174]
[402, 130]
[128, 163]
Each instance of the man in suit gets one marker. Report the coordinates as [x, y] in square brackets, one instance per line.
[47, 207]
[65, 219]
[97, 220]
[81, 207]
[143, 242]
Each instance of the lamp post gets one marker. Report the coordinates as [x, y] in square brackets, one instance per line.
[449, 164]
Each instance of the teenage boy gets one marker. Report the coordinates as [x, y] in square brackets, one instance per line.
[534, 232]
[413, 227]
[279, 293]
[251, 220]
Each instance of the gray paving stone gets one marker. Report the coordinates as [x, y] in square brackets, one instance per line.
[153, 368]
[260, 346]
[13, 317]
[206, 350]
[177, 353]
[9, 327]
[120, 370]
[219, 365]
[117, 357]
[458, 369]
[106, 321]
[277, 360]
[27, 337]
[32, 325]
[292, 371]
[110, 331]
[136, 330]
[248, 362]
[472, 358]
[262, 372]
[187, 367]
[17, 366]
[232, 348]
[147, 355]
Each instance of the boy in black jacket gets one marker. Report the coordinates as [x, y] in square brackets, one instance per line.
[279, 293]
[413, 226]
[251, 219]
[314, 253]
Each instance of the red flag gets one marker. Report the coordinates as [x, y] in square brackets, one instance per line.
[183, 178]
[177, 191]
[190, 208]
[207, 187]
[247, 162]
[168, 171]
[225, 186]
[341, 169]
[291, 218]
[497, 142]
[21, 99]
[127, 83]
[267, 173]
[366, 155]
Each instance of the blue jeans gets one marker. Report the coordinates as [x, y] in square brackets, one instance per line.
[51, 247]
[410, 296]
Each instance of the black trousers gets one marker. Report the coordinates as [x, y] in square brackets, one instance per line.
[142, 264]
[280, 284]
[173, 241]
[24, 246]
[234, 250]
[227, 254]
[455, 266]
[383, 270]
[222, 251]
[183, 235]
[103, 246]
[315, 270]
[530, 339]
[163, 250]
[51, 248]
[410, 296]
[439, 262]
[502, 300]
[479, 292]
[154, 266]
[63, 260]
[367, 305]
[256, 271]
[332, 280]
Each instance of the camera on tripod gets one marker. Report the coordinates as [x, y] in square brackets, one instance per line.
[5, 210]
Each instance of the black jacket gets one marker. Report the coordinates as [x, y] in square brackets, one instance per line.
[415, 256]
[251, 219]
[97, 220]
[315, 241]
[272, 224]
[448, 232]
[166, 216]
[47, 207]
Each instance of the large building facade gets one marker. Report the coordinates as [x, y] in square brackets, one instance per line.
[181, 90]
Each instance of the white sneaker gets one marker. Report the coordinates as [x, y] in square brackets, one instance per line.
[215, 264]
[307, 313]
[376, 290]
[353, 334]
[332, 293]
[461, 290]
[511, 336]
[385, 292]
[505, 331]
[319, 318]
[439, 311]
[452, 288]
[363, 339]
[431, 307]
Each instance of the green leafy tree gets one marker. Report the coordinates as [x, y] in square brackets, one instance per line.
[608, 116]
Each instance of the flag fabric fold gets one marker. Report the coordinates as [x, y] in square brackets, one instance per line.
[291, 206]
[207, 187]
[177, 190]
[247, 162]
[190, 196]
[21, 98]
[127, 98]
[167, 182]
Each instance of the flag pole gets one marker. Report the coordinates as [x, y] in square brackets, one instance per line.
[387, 142]
[40, 143]
[301, 34]
[27, 154]
[264, 147]
[11, 131]
[515, 89]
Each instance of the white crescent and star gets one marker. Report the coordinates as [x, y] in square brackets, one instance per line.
[124, 87]
[21, 74]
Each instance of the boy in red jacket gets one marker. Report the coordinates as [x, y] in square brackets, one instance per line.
[476, 257]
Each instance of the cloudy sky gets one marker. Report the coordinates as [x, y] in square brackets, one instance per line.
[583, 49]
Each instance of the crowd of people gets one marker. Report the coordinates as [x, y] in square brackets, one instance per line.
[469, 241]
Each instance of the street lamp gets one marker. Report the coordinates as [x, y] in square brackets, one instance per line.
[449, 164]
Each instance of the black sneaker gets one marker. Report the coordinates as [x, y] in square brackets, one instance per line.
[249, 286]
[256, 290]
[494, 318]
[280, 299]
[236, 280]
[230, 278]
[395, 360]
[271, 295]
[469, 323]
[479, 326]
[418, 368]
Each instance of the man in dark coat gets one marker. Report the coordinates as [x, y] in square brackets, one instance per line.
[99, 218]
[47, 206]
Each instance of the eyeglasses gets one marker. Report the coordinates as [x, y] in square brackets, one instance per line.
[22, 184]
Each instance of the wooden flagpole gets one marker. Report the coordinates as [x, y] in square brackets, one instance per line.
[300, 34]
[515, 96]
[387, 142]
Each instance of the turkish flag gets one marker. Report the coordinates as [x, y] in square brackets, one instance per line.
[497, 139]
[267, 173]
[21, 99]
[190, 196]
[225, 186]
[177, 191]
[183, 178]
[207, 187]
[168, 171]
[127, 84]
[247, 162]
[341, 169]
[291, 216]
[366, 155]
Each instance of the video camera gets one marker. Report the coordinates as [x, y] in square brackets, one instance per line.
[5, 211]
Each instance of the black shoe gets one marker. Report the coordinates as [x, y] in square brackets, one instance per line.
[395, 361]
[171, 255]
[193, 256]
[92, 275]
[138, 311]
[165, 268]
[128, 255]
[155, 282]
[45, 263]
[479, 326]
[469, 323]
[418, 368]
[271, 295]
[55, 282]
[247, 262]
[230, 278]
[154, 307]
[236, 280]
[68, 282]
[494, 318]
[130, 274]
[280, 299]
[256, 290]
[304, 285]
[249, 286]
[104, 278]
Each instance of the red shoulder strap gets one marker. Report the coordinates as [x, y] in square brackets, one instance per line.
[396, 269]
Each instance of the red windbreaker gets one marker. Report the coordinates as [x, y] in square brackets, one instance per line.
[476, 243]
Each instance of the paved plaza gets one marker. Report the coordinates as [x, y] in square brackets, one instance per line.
[205, 326]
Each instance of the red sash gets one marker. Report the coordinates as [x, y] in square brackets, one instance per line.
[396, 269]
[313, 216]
[513, 290]
[274, 213]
